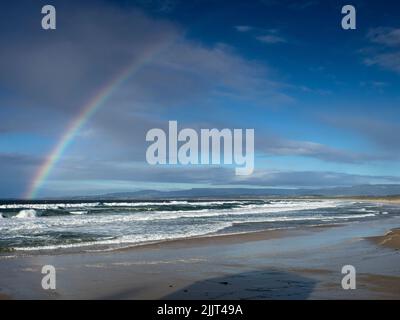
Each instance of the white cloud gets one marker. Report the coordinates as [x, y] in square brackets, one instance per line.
[243, 28]
[385, 36]
[389, 61]
[387, 54]
[271, 39]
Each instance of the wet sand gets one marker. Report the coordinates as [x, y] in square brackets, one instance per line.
[301, 263]
[384, 200]
[224, 239]
[389, 240]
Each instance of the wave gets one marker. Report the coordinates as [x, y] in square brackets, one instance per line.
[174, 215]
[132, 239]
[30, 213]
[115, 224]
[289, 219]
[166, 203]
[172, 209]
[79, 212]
[138, 239]
[44, 206]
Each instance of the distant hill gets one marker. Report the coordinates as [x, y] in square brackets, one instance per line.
[353, 191]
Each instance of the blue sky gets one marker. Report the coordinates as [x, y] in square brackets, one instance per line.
[324, 102]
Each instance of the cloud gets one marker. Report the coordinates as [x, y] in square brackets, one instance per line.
[243, 28]
[165, 176]
[96, 44]
[278, 146]
[388, 61]
[18, 160]
[382, 134]
[266, 36]
[312, 179]
[159, 6]
[271, 39]
[374, 84]
[290, 4]
[297, 5]
[55, 74]
[385, 36]
[387, 55]
[122, 137]
[64, 69]
[16, 169]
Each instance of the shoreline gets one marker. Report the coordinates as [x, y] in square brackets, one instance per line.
[232, 238]
[202, 240]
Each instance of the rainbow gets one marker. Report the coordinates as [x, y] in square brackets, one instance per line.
[87, 111]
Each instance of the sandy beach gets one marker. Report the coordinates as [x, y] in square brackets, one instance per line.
[390, 239]
[386, 200]
[301, 263]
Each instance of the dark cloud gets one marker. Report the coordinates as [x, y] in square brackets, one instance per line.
[206, 175]
[63, 68]
[16, 170]
[313, 179]
[56, 73]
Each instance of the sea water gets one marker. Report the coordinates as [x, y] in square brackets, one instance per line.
[108, 225]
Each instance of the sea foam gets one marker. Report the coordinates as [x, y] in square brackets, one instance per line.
[30, 213]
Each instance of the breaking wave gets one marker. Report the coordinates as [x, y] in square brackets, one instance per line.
[30, 213]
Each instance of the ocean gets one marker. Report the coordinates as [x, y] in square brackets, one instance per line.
[29, 227]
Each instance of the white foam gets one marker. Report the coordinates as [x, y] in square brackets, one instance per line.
[44, 206]
[133, 204]
[134, 239]
[78, 212]
[30, 213]
[141, 204]
[80, 220]
[128, 227]
[314, 218]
